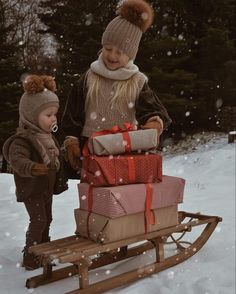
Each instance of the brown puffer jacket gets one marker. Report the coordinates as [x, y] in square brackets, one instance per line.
[22, 151]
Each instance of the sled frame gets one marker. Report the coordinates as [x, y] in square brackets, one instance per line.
[85, 255]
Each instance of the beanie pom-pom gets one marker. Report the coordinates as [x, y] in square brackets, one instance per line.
[49, 83]
[138, 12]
[35, 84]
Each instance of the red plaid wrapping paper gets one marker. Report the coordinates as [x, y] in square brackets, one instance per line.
[122, 169]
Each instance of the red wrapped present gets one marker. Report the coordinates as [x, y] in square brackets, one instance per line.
[121, 169]
[123, 200]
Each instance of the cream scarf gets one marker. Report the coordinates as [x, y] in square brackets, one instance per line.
[121, 74]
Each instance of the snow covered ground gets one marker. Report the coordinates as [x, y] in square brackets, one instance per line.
[210, 188]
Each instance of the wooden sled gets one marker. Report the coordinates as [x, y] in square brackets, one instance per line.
[85, 255]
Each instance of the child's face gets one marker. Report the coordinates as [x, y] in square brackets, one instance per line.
[47, 118]
[113, 58]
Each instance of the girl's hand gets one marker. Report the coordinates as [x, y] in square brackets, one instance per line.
[155, 124]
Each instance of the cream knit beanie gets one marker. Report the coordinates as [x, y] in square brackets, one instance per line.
[125, 30]
[39, 94]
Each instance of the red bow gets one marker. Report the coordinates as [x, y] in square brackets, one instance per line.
[114, 130]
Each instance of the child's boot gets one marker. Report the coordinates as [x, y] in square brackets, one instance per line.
[30, 261]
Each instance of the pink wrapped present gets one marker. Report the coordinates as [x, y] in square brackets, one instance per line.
[121, 169]
[118, 201]
[122, 142]
[103, 229]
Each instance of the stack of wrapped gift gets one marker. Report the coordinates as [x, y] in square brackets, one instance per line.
[122, 191]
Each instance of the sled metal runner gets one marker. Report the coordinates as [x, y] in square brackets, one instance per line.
[86, 255]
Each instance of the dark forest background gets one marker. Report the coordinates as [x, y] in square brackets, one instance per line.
[188, 55]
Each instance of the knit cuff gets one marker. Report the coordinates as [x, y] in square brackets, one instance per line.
[70, 141]
[158, 119]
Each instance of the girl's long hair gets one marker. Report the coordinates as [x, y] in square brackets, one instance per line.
[125, 92]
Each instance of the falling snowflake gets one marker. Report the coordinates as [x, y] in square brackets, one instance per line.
[169, 53]
[83, 197]
[219, 103]
[130, 105]
[218, 229]
[93, 115]
[144, 16]
[117, 195]
[187, 113]
[89, 19]
[170, 275]
[97, 173]
[180, 37]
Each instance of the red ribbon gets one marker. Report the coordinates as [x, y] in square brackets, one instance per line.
[131, 169]
[90, 206]
[114, 130]
[149, 214]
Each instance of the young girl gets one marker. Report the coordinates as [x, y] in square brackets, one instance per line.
[113, 90]
[33, 154]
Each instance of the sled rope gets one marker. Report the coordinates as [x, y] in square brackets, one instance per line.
[177, 242]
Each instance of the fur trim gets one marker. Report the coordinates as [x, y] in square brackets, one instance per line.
[138, 12]
[35, 84]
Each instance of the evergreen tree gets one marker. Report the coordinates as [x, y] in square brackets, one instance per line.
[77, 26]
[188, 54]
[191, 59]
[9, 81]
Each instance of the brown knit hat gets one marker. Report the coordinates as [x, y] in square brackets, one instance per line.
[39, 94]
[125, 30]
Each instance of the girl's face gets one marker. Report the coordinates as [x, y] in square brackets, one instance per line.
[113, 57]
[47, 118]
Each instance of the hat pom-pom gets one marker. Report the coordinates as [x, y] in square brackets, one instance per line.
[49, 83]
[35, 84]
[138, 12]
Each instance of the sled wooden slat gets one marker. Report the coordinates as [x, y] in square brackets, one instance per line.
[86, 255]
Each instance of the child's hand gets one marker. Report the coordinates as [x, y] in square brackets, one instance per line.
[39, 169]
[73, 152]
[154, 123]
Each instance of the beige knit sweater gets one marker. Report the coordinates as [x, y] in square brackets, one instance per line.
[103, 116]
